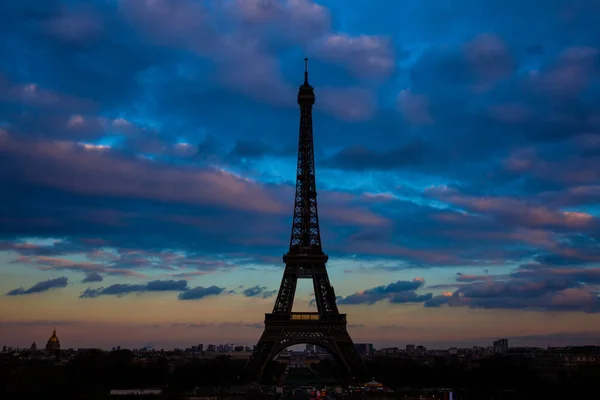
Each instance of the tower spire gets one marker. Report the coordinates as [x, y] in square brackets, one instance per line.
[306, 71]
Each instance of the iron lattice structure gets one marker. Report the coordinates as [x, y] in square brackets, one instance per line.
[305, 259]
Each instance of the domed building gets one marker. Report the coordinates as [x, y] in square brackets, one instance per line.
[53, 344]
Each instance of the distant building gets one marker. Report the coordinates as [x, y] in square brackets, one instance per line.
[224, 348]
[410, 348]
[33, 346]
[500, 346]
[53, 344]
[364, 349]
[135, 392]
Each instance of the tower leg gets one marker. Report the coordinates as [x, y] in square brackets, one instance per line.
[335, 340]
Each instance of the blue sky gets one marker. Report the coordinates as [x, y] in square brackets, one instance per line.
[148, 150]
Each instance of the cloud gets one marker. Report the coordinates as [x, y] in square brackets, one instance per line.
[258, 325]
[397, 293]
[42, 286]
[531, 287]
[32, 95]
[75, 26]
[92, 277]
[35, 323]
[46, 263]
[225, 325]
[489, 57]
[200, 292]
[298, 22]
[569, 74]
[518, 212]
[366, 56]
[122, 289]
[133, 178]
[414, 108]
[259, 291]
[360, 158]
[353, 104]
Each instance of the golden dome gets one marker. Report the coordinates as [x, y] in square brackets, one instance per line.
[53, 343]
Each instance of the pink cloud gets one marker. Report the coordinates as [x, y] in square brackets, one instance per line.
[521, 160]
[378, 197]
[510, 113]
[71, 167]
[45, 263]
[574, 170]
[569, 75]
[88, 126]
[297, 20]
[355, 217]
[414, 108]
[31, 94]
[189, 25]
[470, 278]
[575, 297]
[75, 25]
[257, 11]
[168, 19]
[107, 217]
[517, 211]
[589, 194]
[537, 237]
[343, 208]
[101, 172]
[349, 104]
[489, 57]
[4, 246]
[589, 141]
[431, 256]
[41, 222]
[366, 56]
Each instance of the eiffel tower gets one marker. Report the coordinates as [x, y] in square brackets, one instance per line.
[305, 259]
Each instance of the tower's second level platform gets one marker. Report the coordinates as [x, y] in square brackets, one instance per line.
[303, 317]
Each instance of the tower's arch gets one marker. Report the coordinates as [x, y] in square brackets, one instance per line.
[328, 346]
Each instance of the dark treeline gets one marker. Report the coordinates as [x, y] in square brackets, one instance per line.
[496, 377]
[95, 373]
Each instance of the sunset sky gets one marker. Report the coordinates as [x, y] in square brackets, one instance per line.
[147, 166]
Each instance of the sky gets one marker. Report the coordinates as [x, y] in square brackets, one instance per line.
[148, 155]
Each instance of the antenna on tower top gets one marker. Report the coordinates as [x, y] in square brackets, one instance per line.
[306, 70]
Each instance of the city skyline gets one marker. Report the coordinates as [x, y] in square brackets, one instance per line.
[151, 150]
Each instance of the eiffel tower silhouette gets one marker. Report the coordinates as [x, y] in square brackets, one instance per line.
[305, 259]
